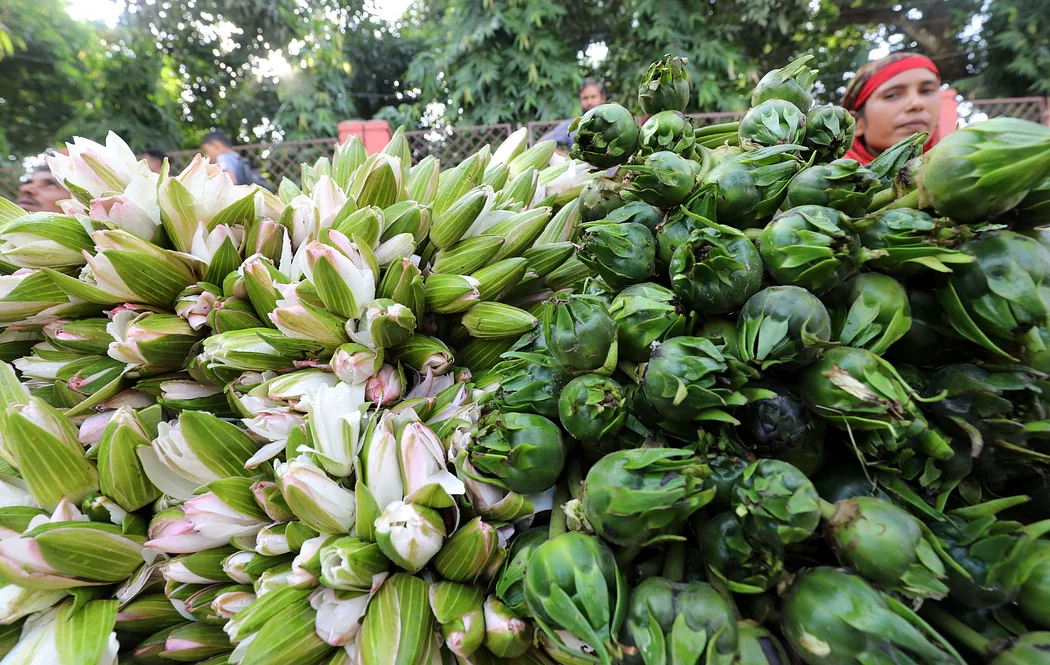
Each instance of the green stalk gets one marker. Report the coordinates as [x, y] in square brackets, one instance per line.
[574, 475]
[909, 200]
[718, 139]
[699, 520]
[626, 555]
[720, 128]
[558, 526]
[827, 509]
[962, 633]
[727, 595]
[882, 199]
[674, 562]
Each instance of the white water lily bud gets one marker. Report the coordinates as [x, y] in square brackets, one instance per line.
[294, 388]
[198, 195]
[339, 614]
[206, 243]
[235, 566]
[39, 440]
[344, 287]
[409, 535]
[17, 602]
[299, 320]
[62, 635]
[336, 420]
[380, 467]
[64, 555]
[44, 240]
[150, 339]
[215, 518]
[98, 169]
[401, 246]
[355, 363]
[316, 499]
[386, 387]
[185, 455]
[136, 210]
[427, 480]
[353, 564]
[272, 541]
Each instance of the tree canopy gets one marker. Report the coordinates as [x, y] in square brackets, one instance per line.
[171, 70]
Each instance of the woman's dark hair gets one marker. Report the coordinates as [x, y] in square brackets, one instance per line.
[155, 153]
[595, 82]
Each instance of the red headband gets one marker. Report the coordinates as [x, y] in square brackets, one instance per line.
[914, 61]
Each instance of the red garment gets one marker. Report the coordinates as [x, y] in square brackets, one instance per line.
[868, 79]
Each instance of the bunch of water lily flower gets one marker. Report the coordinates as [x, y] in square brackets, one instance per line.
[231, 428]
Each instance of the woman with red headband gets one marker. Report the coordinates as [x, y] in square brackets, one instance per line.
[892, 99]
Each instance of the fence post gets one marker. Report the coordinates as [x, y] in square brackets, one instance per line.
[1046, 112]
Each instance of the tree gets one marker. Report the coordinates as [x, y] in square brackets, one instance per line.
[520, 60]
[126, 77]
[348, 67]
[503, 60]
[1012, 50]
[724, 42]
[43, 83]
[210, 49]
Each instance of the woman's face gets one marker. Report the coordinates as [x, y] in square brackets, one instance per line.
[908, 103]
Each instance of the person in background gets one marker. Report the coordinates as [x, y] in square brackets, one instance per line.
[217, 147]
[892, 99]
[592, 93]
[154, 158]
[41, 192]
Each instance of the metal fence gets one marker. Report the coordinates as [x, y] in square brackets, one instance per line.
[450, 145]
[453, 144]
[1036, 109]
[274, 161]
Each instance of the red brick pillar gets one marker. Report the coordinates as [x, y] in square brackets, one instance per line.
[374, 134]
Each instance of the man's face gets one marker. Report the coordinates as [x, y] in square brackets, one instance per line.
[590, 97]
[211, 149]
[41, 193]
[907, 104]
[152, 162]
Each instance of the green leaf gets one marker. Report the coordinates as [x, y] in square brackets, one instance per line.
[237, 494]
[84, 551]
[225, 260]
[82, 636]
[51, 469]
[155, 282]
[240, 211]
[221, 446]
[78, 289]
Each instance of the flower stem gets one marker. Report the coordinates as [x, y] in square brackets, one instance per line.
[827, 509]
[674, 562]
[558, 525]
[962, 633]
[882, 199]
[909, 200]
